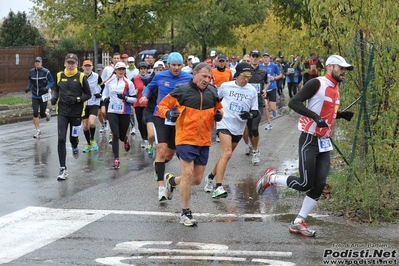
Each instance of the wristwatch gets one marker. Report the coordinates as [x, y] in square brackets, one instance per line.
[78, 99]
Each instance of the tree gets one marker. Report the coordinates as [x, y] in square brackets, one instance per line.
[16, 30]
[213, 25]
[117, 24]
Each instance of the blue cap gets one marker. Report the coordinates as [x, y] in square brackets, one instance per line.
[175, 57]
[38, 59]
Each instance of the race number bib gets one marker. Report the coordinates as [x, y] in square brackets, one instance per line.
[76, 131]
[290, 70]
[116, 107]
[325, 144]
[257, 86]
[234, 107]
[46, 97]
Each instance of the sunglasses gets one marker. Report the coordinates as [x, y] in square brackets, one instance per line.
[246, 76]
[246, 61]
[122, 68]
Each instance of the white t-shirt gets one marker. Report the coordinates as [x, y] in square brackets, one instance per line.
[236, 99]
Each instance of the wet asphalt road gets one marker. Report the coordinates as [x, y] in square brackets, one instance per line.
[104, 217]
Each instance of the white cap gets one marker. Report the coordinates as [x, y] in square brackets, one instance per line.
[195, 60]
[131, 59]
[190, 57]
[159, 64]
[338, 60]
[213, 53]
[120, 65]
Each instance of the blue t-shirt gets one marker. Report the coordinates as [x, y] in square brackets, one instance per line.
[272, 70]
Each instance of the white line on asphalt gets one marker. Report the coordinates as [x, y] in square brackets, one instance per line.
[31, 228]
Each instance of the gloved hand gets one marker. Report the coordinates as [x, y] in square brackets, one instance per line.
[320, 121]
[97, 95]
[245, 114]
[106, 101]
[53, 101]
[70, 100]
[347, 115]
[27, 90]
[218, 116]
[121, 96]
[172, 115]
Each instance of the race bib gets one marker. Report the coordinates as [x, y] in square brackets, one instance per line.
[325, 144]
[116, 107]
[257, 86]
[313, 67]
[76, 131]
[46, 97]
[236, 107]
[290, 70]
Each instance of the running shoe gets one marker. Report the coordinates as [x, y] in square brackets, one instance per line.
[133, 131]
[146, 144]
[219, 193]
[75, 152]
[105, 125]
[110, 138]
[255, 157]
[264, 181]
[268, 126]
[142, 144]
[150, 152]
[87, 148]
[63, 174]
[48, 116]
[187, 219]
[37, 134]
[217, 139]
[248, 149]
[94, 145]
[301, 228]
[208, 184]
[169, 188]
[102, 129]
[126, 144]
[116, 164]
[162, 194]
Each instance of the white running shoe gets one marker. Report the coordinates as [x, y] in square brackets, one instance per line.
[48, 116]
[217, 139]
[208, 184]
[133, 131]
[162, 194]
[219, 193]
[63, 174]
[37, 134]
[268, 126]
[255, 157]
[248, 149]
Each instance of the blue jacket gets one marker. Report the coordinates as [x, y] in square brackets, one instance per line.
[165, 82]
[40, 80]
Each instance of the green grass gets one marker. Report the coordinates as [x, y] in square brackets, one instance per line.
[14, 100]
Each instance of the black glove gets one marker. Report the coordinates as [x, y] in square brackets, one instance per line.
[53, 101]
[106, 101]
[172, 115]
[27, 90]
[320, 121]
[97, 95]
[121, 96]
[345, 115]
[71, 100]
[245, 114]
[218, 116]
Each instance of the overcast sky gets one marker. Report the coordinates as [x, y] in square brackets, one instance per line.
[15, 6]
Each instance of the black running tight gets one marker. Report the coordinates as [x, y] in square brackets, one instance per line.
[119, 124]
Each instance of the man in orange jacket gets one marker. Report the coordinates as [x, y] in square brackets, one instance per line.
[197, 109]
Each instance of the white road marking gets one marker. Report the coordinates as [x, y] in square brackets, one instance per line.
[31, 228]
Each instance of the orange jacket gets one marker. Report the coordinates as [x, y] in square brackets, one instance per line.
[197, 108]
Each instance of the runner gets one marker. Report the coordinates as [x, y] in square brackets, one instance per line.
[40, 83]
[92, 106]
[165, 82]
[120, 94]
[198, 107]
[240, 102]
[316, 123]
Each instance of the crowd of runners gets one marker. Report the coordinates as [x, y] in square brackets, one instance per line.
[177, 104]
